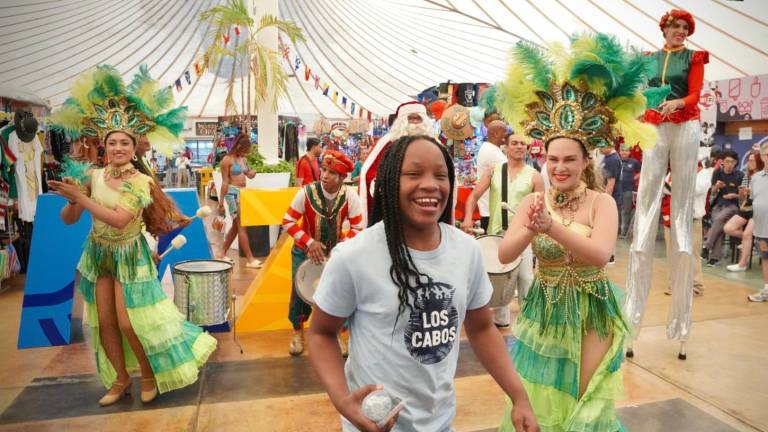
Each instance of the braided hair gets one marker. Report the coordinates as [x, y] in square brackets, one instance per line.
[386, 207]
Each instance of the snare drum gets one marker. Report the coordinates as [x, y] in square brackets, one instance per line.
[503, 276]
[307, 278]
[203, 290]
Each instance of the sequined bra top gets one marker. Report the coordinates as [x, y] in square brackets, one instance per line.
[557, 271]
[133, 196]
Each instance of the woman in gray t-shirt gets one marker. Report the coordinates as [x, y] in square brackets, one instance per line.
[760, 217]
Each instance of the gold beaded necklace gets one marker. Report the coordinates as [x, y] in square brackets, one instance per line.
[567, 202]
[120, 172]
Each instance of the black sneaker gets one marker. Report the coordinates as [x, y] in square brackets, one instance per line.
[712, 263]
[704, 254]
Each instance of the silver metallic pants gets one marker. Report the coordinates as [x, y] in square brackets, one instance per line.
[677, 146]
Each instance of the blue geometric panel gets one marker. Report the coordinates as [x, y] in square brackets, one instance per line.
[55, 251]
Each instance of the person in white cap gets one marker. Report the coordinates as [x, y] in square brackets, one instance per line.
[411, 119]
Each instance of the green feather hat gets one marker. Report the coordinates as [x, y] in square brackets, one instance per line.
[590, 92]
[101, 103]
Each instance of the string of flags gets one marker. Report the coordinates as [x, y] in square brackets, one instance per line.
[199, 66]
[347, 104]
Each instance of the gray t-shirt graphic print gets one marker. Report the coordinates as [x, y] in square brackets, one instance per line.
[433, 323]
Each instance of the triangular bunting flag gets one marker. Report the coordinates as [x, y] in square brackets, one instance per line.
[307, 73]
[326, 87]
[317, 82]
[335, 96]
[187, 77]
[344, 101]
[178, 84]
[198, 71]
[296, 64]
[226, 38]
[353, 109]
[237, 31]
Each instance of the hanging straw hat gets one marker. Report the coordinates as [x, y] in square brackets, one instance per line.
[455, 122]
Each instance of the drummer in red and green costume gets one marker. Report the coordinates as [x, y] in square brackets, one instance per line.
[672, 99]
[325, 206]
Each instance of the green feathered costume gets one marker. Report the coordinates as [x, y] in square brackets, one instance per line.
[590, 93]
[101, 103]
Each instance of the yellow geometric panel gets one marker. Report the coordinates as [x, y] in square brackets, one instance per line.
[267, 298]
[265, 206]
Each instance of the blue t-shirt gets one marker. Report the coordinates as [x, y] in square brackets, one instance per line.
[612, 169]
[629, 167]
[416, 359]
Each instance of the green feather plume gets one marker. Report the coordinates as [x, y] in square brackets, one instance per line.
[634, 76]
[67, 119]
[488, 100]
[533, 61]
[514, 94]
[108, 83]
[78, 171]
[173, 120]
[656, 95]
[153, 99]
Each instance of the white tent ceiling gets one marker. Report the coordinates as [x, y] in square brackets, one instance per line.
[377, 53]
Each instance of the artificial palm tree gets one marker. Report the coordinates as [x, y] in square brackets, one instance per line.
[263, 62]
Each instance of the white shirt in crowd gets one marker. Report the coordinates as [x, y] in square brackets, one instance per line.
[488, 157]
[414, 356]
[182, 162]
[703, 183]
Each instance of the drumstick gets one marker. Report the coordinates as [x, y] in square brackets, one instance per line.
[202, 212]
[505, 206]
[178, 242]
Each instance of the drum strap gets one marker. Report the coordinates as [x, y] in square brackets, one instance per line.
[504, 197]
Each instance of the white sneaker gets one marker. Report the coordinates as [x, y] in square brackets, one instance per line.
[760, 296]
[735, 268]
[255, 264]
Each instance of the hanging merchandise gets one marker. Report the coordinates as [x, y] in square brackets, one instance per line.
[465, 94]
[22, 166]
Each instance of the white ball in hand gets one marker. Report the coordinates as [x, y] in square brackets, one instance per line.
[377, 405]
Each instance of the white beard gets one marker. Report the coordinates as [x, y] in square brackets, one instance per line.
[401, 127]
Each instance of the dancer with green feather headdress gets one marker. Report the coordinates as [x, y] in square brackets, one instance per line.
[570, 330]
[132, 322]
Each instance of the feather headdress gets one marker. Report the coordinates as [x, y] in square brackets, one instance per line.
[591, 92]
[101, 103]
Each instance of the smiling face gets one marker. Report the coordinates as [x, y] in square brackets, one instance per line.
[424, 186]
[120, 148]
[516, 147]
[565, 163]
[676, 33]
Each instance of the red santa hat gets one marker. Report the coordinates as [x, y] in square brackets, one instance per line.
[337, 161]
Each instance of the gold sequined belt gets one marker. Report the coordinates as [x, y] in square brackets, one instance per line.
[555, 281]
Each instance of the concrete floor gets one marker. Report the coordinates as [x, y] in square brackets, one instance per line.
[723, 386]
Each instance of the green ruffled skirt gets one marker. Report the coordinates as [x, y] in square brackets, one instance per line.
[176, 348]
[547, 356]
